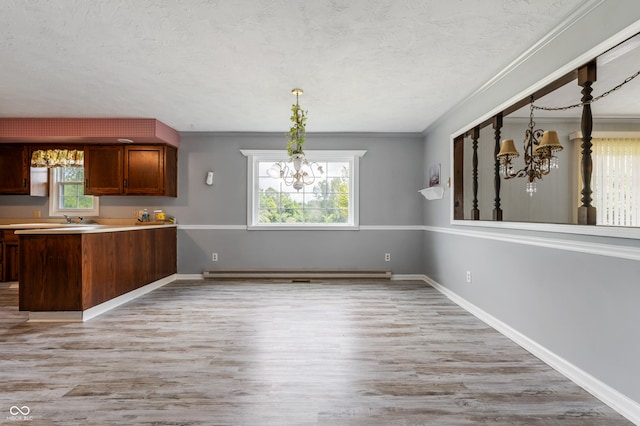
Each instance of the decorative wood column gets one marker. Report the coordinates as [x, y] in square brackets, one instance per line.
[458, 181]
[497, 126]
[586, 77]
[475, 135]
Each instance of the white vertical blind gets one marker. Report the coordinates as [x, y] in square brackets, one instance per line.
[616, 181]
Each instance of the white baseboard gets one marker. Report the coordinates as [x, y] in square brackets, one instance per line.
[81, 316]
[189, 277]
[407, 277]
[605, 393]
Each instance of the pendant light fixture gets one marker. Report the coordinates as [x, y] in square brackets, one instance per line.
[297, 171]
[539, 155]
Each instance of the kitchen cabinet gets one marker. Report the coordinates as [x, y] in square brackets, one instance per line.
[147, 170]
[72, 270]
[14, 169]
[103, 165]
[10, 256]
[131, 170]
[16, 174]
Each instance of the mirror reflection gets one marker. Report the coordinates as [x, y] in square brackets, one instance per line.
[615, 180]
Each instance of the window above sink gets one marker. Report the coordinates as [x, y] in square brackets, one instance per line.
[67, 194]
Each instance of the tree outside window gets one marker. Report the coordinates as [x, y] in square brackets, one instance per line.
[326, 201]
[67, 193]
[330, 202]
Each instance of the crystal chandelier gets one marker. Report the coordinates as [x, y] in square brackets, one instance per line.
[57, 158]
[297, 171]
[539, 155]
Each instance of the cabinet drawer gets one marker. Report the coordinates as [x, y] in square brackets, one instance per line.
[9, 237]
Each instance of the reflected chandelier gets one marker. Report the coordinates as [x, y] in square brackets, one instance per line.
[539, 155]
[297, 171]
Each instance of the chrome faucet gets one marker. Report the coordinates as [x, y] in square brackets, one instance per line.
[69, 219]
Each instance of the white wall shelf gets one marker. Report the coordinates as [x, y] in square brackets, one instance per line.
[433, 192]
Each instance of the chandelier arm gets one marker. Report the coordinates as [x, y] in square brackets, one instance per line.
[520, 173]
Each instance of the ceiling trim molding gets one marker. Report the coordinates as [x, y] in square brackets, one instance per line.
[407, 135]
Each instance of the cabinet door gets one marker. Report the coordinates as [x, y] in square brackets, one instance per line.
[12, 262]
[103, 170]
[10, 256]
[14, 169]
[144, 170]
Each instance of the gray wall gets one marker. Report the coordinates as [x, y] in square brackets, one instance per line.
[582, 307]
[390, 176]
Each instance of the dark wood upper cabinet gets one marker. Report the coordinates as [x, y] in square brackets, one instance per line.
[131, 170]
[14, 169]
[108, 170]
[103, 165]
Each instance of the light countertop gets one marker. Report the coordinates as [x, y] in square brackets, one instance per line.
[75, 228]
[38, 225]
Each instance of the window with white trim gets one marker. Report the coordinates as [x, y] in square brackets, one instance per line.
[66, 193]
[330, 202]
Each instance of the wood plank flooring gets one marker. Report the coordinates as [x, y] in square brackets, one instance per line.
[250, 353]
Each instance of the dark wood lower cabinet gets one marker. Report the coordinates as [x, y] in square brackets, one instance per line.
[75, 272]
[9, 253]
[12, 270]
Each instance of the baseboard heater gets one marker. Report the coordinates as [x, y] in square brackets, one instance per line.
[295, 275]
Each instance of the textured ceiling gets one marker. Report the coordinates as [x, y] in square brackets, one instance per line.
[229, 65]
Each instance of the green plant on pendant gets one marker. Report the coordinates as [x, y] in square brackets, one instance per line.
[297, 131]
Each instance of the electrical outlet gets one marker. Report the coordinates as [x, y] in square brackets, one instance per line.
[468, 276]
[35, 213]
[136, 214]
[387, 257]
[214, 257]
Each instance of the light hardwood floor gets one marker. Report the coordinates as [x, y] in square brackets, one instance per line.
[249, 353]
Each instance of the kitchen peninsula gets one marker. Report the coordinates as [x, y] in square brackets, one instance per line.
[77, 272]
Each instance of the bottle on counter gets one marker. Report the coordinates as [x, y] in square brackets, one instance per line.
[145, 215]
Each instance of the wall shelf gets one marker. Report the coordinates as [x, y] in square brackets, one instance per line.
[433, 192]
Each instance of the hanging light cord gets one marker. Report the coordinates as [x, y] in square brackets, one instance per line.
[597, 98]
